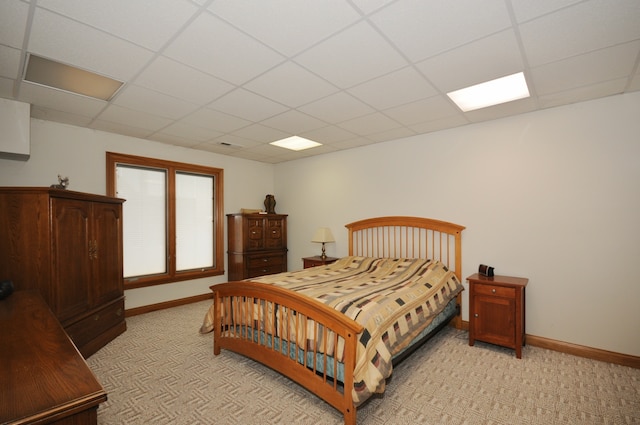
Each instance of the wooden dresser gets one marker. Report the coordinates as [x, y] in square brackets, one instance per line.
[68, 246]
[257, 245]
[45, 380]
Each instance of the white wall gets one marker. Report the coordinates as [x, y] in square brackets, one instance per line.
[553, 196]
[80, 154]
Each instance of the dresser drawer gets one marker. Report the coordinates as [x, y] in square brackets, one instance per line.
[499, 291]
[265, 261]
[98, 322]
[261, 271]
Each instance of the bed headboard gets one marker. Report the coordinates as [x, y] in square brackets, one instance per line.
[408, 237]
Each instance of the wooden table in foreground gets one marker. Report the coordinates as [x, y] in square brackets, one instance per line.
[44, 379]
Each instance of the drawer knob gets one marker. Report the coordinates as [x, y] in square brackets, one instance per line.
[493, 291]
[475, 315]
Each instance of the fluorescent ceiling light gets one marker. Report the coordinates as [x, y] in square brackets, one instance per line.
[494, 92]
[68, 78]
[296, 143]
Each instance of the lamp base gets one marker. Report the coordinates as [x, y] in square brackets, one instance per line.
[324, 255]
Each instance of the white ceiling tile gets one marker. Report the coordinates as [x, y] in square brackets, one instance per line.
[72, 43]
[431, 109]
[397, 88]
[351, 57]
[503, 110]
[261, 133]
[214, 120]
[13, 23]
[393, 134]
[60, 100]
[236, 141]
[337, 107]
[136, 119]
[274, 21]
[354, 143]
[635, 82]
[213, 46]
[247, 105]
[119, 128]
[368, 6]
[190, 132]
[492, 57]
[293, 122]
[328, 134]
[148, 23]
[581, 28]
[9, 62]
[175, 79]
[440, 124]
[152, 102]
[6, 88]
[174, 140]
[214, 147]
[580, 94]
[369, 124]
[525, 10]
[60, 116]
[291, 85]
[421, 29]
[584, 70]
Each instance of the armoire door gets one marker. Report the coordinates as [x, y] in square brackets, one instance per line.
[70, 246]
[106, 256]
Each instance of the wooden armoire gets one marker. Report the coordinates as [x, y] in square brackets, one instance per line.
[68, 246]
[257, 245]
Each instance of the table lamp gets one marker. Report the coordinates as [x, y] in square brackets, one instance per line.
[323, 235]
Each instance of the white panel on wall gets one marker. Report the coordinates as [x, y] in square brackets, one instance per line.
[14, 136]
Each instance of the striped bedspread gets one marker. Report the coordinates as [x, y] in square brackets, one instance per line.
[393, 299]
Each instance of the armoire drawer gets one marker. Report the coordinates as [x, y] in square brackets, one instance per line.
[98, 322]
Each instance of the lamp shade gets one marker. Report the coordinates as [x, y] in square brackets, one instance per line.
[323, 234]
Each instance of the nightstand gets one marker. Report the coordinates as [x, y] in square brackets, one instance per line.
[496, 310]
[317, 261]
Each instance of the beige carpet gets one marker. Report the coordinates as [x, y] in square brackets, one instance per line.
[162, 371]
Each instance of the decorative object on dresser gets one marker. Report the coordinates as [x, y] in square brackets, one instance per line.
[308, 262]
[323, 235]
[63, 183]
[44, 378]
[257, 245]
[270, 204]
[497, 310]
[68, 246]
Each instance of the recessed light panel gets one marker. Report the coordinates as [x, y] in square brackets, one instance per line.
[54, 74]
[494, 92]
[296, 143]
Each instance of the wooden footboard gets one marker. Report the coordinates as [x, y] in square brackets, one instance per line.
[293, 334]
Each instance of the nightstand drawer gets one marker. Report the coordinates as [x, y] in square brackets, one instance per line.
[499, 291]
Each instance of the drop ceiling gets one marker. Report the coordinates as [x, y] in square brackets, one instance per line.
[231, 76]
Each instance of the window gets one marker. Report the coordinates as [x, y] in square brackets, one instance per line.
[172, 219]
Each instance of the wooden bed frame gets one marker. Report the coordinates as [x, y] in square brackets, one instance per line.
[248, 327]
